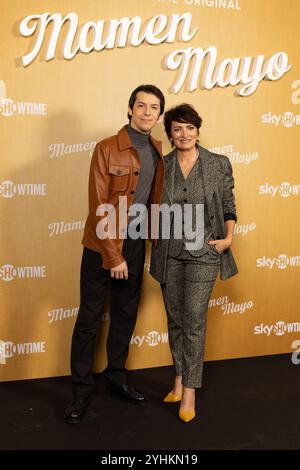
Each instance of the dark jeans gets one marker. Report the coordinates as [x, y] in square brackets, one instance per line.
[124, 300]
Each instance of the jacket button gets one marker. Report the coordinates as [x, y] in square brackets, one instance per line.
[136, 173]
[119, 172]
[131, 192]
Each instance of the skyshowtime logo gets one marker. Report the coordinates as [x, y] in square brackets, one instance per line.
[281, 262]
[284, 189]
[280, 328]
[152, 339]
[288, 119]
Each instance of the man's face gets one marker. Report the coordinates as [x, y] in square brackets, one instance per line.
[145, 112]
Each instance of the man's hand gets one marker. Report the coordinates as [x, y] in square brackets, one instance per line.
[221, 245]
[120, 271]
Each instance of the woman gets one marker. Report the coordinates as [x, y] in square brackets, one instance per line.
[187, 271]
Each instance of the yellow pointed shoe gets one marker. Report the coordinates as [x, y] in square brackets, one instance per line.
[187, 416]
[172, 398]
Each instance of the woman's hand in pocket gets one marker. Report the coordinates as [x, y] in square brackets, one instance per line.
[220, 245]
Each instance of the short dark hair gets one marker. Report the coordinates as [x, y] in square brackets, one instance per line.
[152, 90]
[182, 113]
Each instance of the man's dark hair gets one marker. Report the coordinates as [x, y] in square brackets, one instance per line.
[182, 113]
[152, 90]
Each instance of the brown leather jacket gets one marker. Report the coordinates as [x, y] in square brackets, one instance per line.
[114, 172]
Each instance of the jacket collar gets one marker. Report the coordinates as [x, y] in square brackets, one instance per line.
[124, 140]
[125, 143]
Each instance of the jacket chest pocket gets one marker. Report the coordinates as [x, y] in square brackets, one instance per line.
[119, 177]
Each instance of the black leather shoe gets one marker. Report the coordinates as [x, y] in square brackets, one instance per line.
[76, 410]
[126, 392]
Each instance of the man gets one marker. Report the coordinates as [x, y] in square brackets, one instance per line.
[127, 164]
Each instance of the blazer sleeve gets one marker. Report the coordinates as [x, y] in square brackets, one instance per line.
[229, 208]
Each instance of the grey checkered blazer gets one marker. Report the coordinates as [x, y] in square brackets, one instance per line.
[218, 185]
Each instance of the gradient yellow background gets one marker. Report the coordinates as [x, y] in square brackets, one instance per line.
[86, 101]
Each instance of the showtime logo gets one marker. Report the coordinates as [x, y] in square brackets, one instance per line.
[9, 189]
[8, 272]
[8, 349]
[152, 339]
[288, 119]
[9, 107]
[284, 189]
[281, 262]
[280, 328]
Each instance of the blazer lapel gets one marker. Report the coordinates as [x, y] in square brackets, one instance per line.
[170, 163]
[209, 170]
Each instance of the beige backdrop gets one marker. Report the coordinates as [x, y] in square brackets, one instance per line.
[43, 185]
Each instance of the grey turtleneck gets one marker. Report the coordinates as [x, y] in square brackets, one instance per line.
[148, 160]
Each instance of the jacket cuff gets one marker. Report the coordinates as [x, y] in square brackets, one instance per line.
[230, 216]
[112, 262]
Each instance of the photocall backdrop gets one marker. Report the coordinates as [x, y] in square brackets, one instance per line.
[57, 101]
